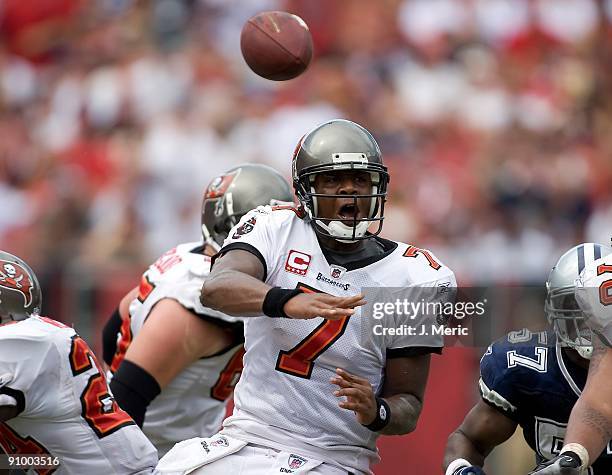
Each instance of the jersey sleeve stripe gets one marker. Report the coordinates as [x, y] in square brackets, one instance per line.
[245, 247]
[495, 398]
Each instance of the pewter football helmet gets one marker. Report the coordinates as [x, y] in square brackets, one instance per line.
[561, 308]
[233, 194]
[20, 295]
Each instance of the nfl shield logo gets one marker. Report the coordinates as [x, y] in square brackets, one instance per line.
[336, 271]
[295, 461]
[221, 442]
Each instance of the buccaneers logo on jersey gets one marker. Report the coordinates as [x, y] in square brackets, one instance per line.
[245, 228]
[15, 277]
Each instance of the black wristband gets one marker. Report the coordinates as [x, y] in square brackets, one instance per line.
[383, 416]
[275, 300]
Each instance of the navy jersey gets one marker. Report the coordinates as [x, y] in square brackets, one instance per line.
[530, 379]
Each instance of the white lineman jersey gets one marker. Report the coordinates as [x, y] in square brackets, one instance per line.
[594, 296]
[65, 407]
[284, 398]
[194, 403]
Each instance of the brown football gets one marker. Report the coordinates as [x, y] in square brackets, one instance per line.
[276, 45]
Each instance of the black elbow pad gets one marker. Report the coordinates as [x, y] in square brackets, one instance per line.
[134, 388]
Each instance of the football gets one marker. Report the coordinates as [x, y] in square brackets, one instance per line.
[276, 45]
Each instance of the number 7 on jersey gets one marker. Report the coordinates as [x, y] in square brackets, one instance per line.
[299, 360]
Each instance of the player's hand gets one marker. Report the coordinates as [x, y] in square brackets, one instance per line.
[568, 463]
[359, 395]
[330, 307]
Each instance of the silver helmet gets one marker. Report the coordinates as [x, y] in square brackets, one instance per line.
[561, 308]
[20, 295]
[239, 190]
[340, 145]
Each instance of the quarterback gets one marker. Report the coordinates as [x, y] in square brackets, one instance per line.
[590, 426]
[532, 379]
[176, 362]
[317, 388]
[54, 398]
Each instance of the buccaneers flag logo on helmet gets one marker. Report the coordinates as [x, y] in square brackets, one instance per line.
[219, 185]
[14, 277]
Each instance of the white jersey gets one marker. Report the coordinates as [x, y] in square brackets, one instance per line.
[65, 407]
[194, 403]
[594, 296]
[284, 398]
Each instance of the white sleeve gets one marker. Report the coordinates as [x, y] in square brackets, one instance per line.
[414, 313]
[594, 296]
[426, 316]
[21, 361]
[187, 294]
[254, 234]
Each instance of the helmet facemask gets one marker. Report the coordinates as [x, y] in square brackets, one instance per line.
[344, 229]
[568, 321]
[217, 220]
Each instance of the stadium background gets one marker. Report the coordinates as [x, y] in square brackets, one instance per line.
[493, 116]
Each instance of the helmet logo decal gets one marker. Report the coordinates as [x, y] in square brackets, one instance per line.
[14, 277]
[220, 185]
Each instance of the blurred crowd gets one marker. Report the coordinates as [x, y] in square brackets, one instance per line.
[494, 117]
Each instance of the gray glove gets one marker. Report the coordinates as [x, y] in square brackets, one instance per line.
[568, 463]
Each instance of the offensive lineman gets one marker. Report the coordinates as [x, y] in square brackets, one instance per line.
[316, 393]
[590, 426]
[532, 380]
[54, 398]
[177, 362]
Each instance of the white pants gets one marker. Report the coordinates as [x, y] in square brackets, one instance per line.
[238, 458]
[259, 460]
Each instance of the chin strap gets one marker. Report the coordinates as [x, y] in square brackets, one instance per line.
[337, 229]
